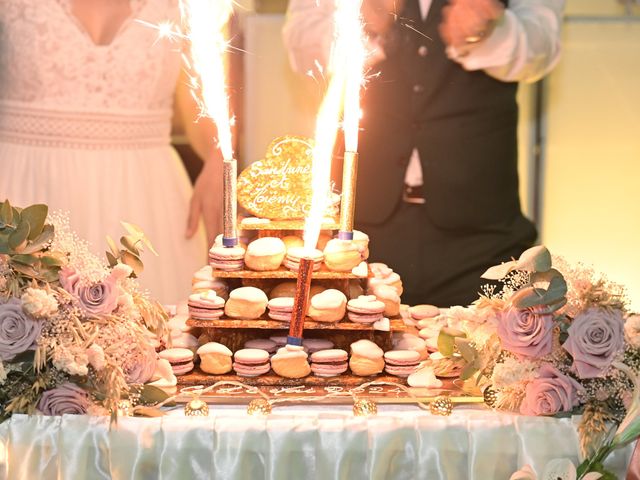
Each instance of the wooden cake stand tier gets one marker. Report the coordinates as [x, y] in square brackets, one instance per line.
[257, 324]
[284, 273]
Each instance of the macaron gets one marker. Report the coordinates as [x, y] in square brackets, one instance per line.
[179, 339]
[264, 254]
[251, 362]
[215, 358]
[389, 296]
[422, 312]
[366, 358]
[280, 308]
[401, 363]
[280, 340]
[341, 255]
[206, 305]
[408, 341]
[180, 359]
[365, 309]
[313, 345]
[265, 344]
[246, 302]
[291, 362]
[295, 254]
[288, 289]
[204, 280]
[226, 258]
[328, 306]
[291, 241]
[329, 363]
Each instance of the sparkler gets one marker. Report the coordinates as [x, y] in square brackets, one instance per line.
[205, 22]
[354, 66]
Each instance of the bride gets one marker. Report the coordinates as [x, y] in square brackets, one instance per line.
[86, 102]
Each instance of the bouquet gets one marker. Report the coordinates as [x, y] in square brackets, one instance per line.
[75, 333]
[548, 338]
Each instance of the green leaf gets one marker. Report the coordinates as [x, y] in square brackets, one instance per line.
[41, 241]
[137, 232]
[27, 357]
[24, 259]
[52, 261]
[130, 243]
[26, 270]
[469, 353]
[35, 216]
[133, 261]
[446, 340]
[19, 236]
[150, 395]
[535, 259]
[50, 275]
[468, 371]
[6, 212]
[498, 272]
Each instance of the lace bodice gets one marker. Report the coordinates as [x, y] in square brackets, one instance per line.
[48, 60]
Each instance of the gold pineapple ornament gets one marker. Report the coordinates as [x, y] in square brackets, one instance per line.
[196, 408]
[442, 406]
[259, 407]
[364, 408]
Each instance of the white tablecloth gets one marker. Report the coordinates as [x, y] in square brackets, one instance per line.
[293, 443]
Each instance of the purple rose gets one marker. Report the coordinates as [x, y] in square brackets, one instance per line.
[99, 298]
[66, 398]
[18, 331]
[140, 365]
[552, 392]
[526, 332]
[595, 337]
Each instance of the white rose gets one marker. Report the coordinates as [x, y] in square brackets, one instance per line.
[632, 330]
[39, 303]
[74, 362]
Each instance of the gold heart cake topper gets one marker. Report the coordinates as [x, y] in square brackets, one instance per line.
[279, 186]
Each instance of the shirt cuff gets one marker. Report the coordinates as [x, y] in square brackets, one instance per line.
[495, 51]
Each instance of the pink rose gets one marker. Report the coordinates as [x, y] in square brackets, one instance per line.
[595, 337]
[526, 332]
[140, 365]
[99, 298]
[552, 392]
[18, 331]
[66, 398]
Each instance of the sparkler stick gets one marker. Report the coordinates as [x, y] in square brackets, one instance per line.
[300, 302]
[205, 22]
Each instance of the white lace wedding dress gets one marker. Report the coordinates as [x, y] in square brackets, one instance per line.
[85, 128]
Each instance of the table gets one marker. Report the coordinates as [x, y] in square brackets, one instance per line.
[306, 442]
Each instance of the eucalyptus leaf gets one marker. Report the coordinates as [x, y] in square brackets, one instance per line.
[35, 216]
[113, 261]
[16, 215]
[24, 259]
[535, 259]
[26, 270]
[150, 395]
[540, 278]
[41, 240]
[4, 242]
[130, 243]
[468, 371]
[19, 236]
[137, 232]
[50, 275]
[133, 261]
[465, 348]
[528, 297]
[498, 272]
[6, 212]
[115, 251]
[447, 339]
[52, 261]
[27, 356]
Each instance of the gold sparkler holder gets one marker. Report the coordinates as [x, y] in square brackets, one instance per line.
[230, 207]
[348, 207]
[300, 302]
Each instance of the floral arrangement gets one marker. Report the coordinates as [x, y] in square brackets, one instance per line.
[74, 332]
[548, 338]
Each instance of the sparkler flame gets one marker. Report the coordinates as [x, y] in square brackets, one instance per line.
[346, 67]
[204, 22]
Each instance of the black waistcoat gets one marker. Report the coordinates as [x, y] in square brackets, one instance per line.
[464, 125]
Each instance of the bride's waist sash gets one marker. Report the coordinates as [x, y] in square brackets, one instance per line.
[91, 130]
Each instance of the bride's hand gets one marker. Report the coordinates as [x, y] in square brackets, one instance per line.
[206, 201]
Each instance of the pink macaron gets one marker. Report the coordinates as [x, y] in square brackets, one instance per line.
[205, 305]
[226, 258]
[251, 362]
[313, 345]
[365, 309]
[329, 363]
[265, 344]
[180, 359]
[295, 254]
[401, 363]
[280, 308]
